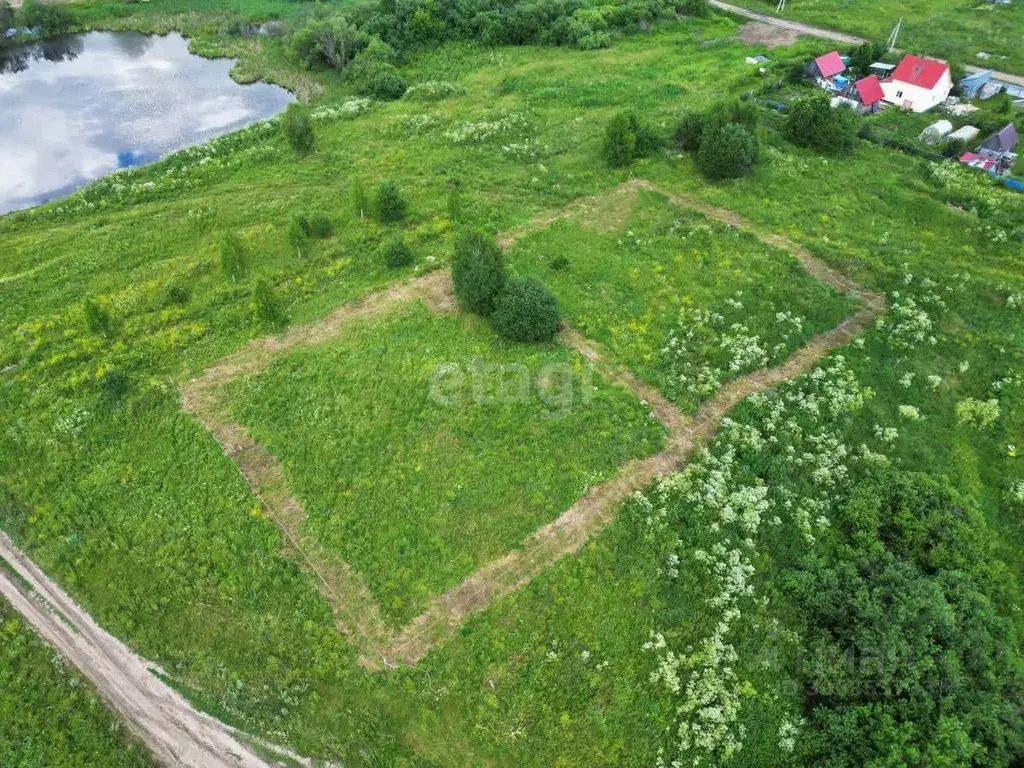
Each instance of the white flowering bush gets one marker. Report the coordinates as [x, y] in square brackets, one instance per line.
[508, 123]
[977, 413]
[433, 90]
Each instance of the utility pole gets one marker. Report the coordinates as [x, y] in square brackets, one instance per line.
[891, 42]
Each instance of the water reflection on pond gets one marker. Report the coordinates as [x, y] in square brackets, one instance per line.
[78, 107]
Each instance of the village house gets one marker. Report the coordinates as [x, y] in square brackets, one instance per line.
[918, 84]
[869, 94]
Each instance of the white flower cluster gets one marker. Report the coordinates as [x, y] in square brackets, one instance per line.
[479, 131]
[433, 90]
[349, 109]
[798, 422]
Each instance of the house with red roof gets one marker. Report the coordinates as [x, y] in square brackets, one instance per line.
[918, 84]
[829, 65]
[869, 94]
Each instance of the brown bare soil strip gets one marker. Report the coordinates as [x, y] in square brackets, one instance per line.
[768, 35]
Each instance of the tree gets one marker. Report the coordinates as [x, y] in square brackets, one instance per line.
[627, 139]
[526, 311]
[360, 201]
[327, 43]
[698, 8]
[478, 272]
[52, 19]
[232, 256]
[373, 72]
[694, 123]
[619, 142]
[298, 129]
[727, 152]
[812, 122]
[397, 253]
[265, 306]
[389, 203]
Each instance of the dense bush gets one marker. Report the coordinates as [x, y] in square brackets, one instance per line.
[389, 203]
[296, 234]
[298, 129]
[526, 311]
[478, 272]
[627, 139]
[233, 262]
[50, 18]
[691, 128]
[373, 72]
[906, 654]
[315, 224]
[330, 42]
[812, 122]
[727, 152]
[397, 253]
[698, 8]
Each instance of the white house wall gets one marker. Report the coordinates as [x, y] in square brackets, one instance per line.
[920, 99]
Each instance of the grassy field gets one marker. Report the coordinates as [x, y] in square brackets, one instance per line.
[48, 714]
[137, 511]
[423, 446]
[638, 275]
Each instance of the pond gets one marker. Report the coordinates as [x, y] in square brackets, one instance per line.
[76, 108]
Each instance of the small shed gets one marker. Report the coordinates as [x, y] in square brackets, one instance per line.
[882, 69]
[971, 85]
[1000, 143]
[967, 133]
[935, 132]
[829, 65]
[869, 93]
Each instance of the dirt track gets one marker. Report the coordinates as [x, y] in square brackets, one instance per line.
[176, 733]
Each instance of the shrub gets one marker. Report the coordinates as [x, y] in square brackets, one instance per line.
[389, 202]
[619, 142]
[689, 131]
[327, 42]
[727, 152]
[232, 256]
[265, 306]
[51, 19]
[298, 129]
[454, 205]
[977, 413]
[954, 148]
[812, 122]
[113, 385]
[627, 139]
[526, 311]
[316, 224]
[176, 293]
[295, 234]
[397, 253]
[695, 123]
[97, 318]
[698, 8]
[559, 263]
[373, 73]
[478, 272]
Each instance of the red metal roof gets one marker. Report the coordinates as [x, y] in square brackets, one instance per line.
[869, 90]
[830, 64]
[977, 161]
[924, 73]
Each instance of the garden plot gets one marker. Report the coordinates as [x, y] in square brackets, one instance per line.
[684, 301]
[398, 454]
[422, 445]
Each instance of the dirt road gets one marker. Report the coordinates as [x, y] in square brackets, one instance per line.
[839, 37]
[160, 717]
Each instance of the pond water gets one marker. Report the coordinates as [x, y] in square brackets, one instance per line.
[75, 108]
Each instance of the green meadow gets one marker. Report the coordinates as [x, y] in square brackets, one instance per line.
[883, 462]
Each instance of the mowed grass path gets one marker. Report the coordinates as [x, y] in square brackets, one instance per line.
[417, 477]
[630, 267]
